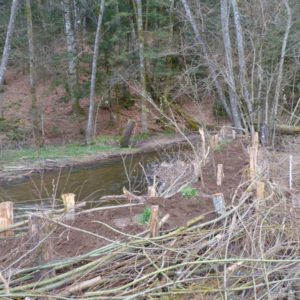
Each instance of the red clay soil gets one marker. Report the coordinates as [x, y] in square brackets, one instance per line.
[68, 242]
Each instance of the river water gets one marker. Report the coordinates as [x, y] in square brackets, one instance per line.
[89, 183]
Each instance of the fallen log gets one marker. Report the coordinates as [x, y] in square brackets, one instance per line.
[286, 129]
[192, 124]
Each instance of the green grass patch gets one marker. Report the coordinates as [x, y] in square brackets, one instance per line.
[103, 144]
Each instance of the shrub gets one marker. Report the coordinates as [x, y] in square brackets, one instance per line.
[145, 216]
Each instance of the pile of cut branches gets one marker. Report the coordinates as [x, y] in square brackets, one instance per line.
[250, 252]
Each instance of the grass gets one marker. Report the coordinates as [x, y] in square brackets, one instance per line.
[103, 144]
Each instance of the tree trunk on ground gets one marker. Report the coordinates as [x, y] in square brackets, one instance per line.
[144, 117]
[73, 59]
[32, 75]
[210, 63]
[229, 76]
[241, 58]
[89, 128]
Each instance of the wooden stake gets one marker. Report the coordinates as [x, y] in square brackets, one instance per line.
[260, 193]
[154, 222]
[233, 134]
[6, 218]
[69, 203]
[203, 143]
[291, 172]
[260, 190]
[253, 151]
[152, 191]
[214, 141]
[219, 203]
[220, 174]
[255, 140]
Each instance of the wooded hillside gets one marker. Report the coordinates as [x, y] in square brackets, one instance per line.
[82, 57]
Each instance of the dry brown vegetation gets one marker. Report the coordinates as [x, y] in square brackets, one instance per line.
[250, 252]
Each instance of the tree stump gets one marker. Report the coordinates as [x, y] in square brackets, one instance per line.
[152, 191]
[127, 133]
[39, 230]
[69, 203]
[219, 203]
[6, 218]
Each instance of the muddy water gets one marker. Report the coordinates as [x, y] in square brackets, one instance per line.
[89, 183]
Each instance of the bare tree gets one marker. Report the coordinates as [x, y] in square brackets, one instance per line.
[9, 34]
[144, 117]
[90, 122]
[229, 75]
[280, 68]
[241, 59]
[32, 75]
[208, 59]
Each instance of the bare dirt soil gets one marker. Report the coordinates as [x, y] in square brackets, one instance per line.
[85, 233]
[60, 126]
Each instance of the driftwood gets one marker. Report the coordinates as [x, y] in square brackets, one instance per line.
[113, 197]
[132, 197]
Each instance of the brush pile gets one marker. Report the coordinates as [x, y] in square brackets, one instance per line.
[250, 252]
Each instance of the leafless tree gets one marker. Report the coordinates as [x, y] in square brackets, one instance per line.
[144, 117]
[208, 59]
[90, 122]
[32, 75]
[9, 34]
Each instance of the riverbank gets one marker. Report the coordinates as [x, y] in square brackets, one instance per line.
[19, 164]
[86, 233]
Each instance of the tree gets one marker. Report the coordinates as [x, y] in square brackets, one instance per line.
[90, 122]
[280, 68]
[73, 57]
[208, 59]
[229, 75]
[241, 59]
[9, 34]
[142, 65]
[32, 75]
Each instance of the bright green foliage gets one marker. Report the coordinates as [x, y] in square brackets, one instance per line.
[189, 192]
[145, 216]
